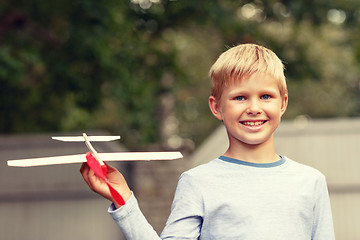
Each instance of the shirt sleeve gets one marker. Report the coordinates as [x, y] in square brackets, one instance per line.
[132, 222]
[323, 228]
[184, 222]
[187, 211]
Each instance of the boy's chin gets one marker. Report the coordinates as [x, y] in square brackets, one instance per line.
[254, 142]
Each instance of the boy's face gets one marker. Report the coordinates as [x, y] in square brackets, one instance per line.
[250, 109]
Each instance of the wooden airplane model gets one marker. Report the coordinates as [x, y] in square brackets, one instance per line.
[101, 157]
[96, 160]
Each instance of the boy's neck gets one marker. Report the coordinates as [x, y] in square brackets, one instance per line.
[263, 153]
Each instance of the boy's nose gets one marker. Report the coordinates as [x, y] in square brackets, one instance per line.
[253, 108]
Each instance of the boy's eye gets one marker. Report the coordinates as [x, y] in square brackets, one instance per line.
[240, 98]
[265, 97]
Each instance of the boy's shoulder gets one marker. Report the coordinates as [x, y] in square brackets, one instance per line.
[219, 174]
[205, 171]
[212, 165]
[298, 167]
[216, 166]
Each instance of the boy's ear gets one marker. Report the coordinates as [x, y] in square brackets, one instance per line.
[215, 108]
[284, 104]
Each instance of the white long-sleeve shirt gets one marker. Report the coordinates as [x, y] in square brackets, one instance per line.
[232, 199]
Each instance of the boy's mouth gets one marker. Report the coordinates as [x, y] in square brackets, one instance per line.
[253, 123]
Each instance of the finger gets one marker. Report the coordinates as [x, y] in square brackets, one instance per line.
[96, 183]
[110, 169]
[92, 178]
[88, 175]
[84, 170]
[83, 167]
[108, 166]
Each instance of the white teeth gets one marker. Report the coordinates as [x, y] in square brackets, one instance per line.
[253, 123]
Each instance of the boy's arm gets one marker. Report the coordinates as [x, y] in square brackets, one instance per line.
[323, 228]
[132, 222]
[187, 211]
[185, 219]
[129, 216]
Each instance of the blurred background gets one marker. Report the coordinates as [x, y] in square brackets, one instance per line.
[138, 68]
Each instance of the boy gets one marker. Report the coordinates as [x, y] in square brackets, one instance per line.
[250, 192]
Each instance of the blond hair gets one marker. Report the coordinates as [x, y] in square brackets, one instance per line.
[242, 61]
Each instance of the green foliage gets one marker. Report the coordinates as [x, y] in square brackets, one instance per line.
[139, 68]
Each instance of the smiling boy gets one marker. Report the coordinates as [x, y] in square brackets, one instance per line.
[253, 108]
[250, 192]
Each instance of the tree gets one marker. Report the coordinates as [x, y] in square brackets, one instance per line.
[139, 68]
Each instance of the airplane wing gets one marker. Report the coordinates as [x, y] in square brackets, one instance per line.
[78, 158]
[81, 138]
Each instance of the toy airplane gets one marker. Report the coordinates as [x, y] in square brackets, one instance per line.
[96, 160]
[79, 158]
[101, 157]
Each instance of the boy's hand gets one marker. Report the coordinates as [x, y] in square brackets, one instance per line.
[98, 185]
